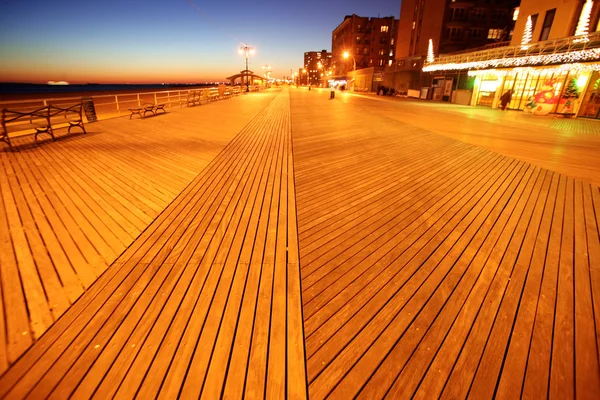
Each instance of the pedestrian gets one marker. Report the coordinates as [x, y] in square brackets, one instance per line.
[505, 99]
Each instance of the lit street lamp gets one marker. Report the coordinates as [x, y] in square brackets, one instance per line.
[346, 55]
[247, 50]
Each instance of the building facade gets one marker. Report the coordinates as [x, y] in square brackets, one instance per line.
[369, 43]
[316, 64]
[551, 66]
[452, 26]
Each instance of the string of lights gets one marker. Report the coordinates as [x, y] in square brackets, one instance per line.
[560, 69]
[543, 59]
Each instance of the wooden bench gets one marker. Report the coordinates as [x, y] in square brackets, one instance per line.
[42, 120]
[142, 111]
[194, 98]
[213, 94]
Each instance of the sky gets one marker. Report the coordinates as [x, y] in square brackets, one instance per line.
[166, 41]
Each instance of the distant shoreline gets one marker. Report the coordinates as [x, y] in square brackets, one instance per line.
[27, 91]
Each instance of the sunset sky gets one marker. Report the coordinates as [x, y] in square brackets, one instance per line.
[165, 41]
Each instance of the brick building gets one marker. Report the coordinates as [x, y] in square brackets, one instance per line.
[551, 65]
[315, 64]
[453, 26]
[369, 42]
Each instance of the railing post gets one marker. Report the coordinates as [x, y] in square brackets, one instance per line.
[154, 97]
[138, 100]
[117, 103]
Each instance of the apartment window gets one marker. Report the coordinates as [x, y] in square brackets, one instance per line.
[495, 33]
[357, 39]
[392, 40]
[384, 28]
[476, 33]
[383, 40]
[381, 52]
[534, 18]
[365, 50]
[478, 14]
[548, 19]
[458, 14]
[391, 53]
[381, 63]
[453, 33]
[389, 63]
[358, 28]
[498, 15]
[516, 14]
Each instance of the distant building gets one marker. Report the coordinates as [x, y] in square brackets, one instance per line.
[552, 64]
[316, 63]
[452, 26]
[368, 41]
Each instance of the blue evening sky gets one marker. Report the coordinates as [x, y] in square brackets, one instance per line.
[170, 41]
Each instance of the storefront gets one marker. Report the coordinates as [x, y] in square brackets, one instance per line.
[590, 105]
[542, 90]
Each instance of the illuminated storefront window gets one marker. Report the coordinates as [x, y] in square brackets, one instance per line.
[542, 90]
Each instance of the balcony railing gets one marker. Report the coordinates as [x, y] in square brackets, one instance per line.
[555, 46]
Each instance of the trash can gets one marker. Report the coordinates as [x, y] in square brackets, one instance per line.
[332, 95]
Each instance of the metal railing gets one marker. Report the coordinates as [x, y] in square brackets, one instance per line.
[561, 45]
[115, 105]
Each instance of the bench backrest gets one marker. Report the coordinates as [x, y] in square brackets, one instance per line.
[18, 118]
[70, 111]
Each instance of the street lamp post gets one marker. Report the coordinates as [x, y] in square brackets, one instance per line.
[346, 55]
[247, 50]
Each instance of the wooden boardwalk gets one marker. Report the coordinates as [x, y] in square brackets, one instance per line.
[329, 249]
[68, 209]
[434, 268]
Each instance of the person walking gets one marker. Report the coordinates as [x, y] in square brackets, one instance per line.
[505, 99]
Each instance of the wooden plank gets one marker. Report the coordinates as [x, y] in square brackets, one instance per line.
[15, 321]
[592, 211]
[258, 374]
[297, 387]
[66, 258]
[513, 371]
[276, 385]
[428, 235]
[164, 354]
[375, 240]
[96, 252]
[210, 334]
[537, 374]
[587, 368]
[440, 283]
[34, 279]
[345, 360]
[448, 331]
[220, 368]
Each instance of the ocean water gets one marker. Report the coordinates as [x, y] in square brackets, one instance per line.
[33, 88]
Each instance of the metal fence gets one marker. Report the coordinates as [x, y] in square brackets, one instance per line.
[115, 105]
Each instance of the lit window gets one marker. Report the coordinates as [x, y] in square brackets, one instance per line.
[391, 53]
[384, 28]
[414, 23]
[495, 33]
[516, 14]
[389, 63]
